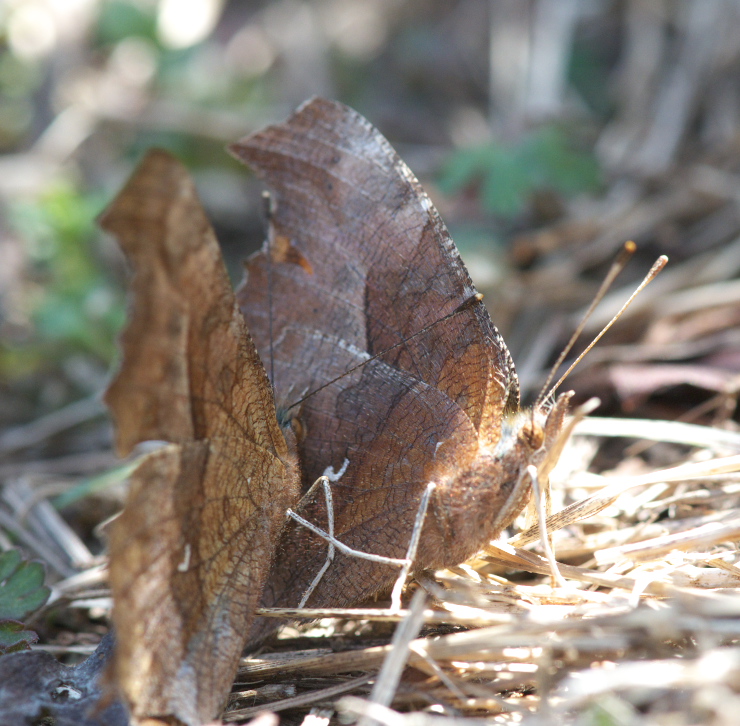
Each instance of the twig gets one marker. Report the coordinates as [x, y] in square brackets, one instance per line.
[305, 699]
[41, 429]
[395, 662]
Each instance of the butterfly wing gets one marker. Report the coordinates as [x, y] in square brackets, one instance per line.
[361, 255]
[362, 266]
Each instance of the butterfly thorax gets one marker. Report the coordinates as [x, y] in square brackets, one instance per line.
[473, 504]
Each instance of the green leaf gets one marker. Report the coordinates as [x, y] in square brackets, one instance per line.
[120, 19]
[462, 167]
[566, 170]
[22, 589]
[9, 562]
[79, 308]
[506, 185]
[506, 176]
[15, 637]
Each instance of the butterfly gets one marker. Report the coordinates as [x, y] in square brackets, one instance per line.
[384, 360]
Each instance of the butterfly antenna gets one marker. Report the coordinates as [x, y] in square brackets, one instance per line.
[472, 300]
[658, 265]
[269, 212]
[618, 265]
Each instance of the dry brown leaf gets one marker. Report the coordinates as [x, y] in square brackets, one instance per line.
[190, 553]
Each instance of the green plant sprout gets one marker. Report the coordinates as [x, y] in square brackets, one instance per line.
[22, 592]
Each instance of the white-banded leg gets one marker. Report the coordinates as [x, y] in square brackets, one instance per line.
[334, 544]
[541, 508]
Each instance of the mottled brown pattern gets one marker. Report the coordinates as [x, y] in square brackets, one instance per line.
[441, 401]
[189, 554]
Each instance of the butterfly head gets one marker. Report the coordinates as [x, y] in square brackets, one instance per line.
[543, 434]
[529, 438]
[477, 501]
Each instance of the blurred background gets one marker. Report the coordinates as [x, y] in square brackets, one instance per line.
[547, 133]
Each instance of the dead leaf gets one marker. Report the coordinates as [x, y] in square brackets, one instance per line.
[192, 548]
[35, 688]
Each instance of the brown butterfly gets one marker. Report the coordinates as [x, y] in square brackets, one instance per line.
[385, 362]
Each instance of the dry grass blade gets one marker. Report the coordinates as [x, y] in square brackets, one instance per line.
[314, 664]
[307, 699]
[698, 538]
[669, 431]
[530, 562]
[609, 494]
[390, 674]
[75, 413]
[431, 617]
[357, 707]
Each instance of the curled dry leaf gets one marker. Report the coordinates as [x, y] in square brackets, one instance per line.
[190, 552]
[35, 688]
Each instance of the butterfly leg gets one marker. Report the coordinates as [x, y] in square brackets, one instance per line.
[334, 544]
[324, 481]
[329, 475]
[540, 504]
[413, 546]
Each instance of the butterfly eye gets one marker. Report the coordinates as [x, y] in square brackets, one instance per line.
[532, 435]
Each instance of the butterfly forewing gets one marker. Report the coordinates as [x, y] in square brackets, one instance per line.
[370, 264]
